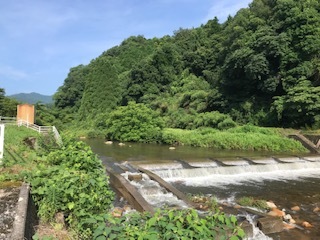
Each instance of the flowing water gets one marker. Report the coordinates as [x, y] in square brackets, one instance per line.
[285, 179]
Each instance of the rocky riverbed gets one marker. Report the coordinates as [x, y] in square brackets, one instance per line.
[8, 200]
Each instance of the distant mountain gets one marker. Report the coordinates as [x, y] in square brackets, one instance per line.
[32, 98]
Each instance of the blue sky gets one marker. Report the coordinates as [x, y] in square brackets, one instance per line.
[40, 40]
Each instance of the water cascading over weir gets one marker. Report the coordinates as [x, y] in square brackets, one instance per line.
[147, 186]
[143, 189]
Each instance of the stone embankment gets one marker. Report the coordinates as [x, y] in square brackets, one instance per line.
[17, 212]
[8, 201]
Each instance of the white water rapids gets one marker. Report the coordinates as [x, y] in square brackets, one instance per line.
[154, 194]
[220, 174]
[238, 174]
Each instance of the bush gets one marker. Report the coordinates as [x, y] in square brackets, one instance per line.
[226, 124]
[71, 180]
[213, 119]
[170, 224]
[95, 133]
[134, 122]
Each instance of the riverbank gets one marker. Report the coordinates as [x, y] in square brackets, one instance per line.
[246, 137]
[56, 175]
[281, 178]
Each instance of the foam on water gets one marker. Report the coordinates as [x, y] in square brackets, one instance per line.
[222, 176]
[154, 194]
[264, 161]
[257, 233]
[160, 166]
[313, 158]
[235, 162]
[291, 160]
[203, 164]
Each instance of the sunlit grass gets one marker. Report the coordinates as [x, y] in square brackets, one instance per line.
[239, 138]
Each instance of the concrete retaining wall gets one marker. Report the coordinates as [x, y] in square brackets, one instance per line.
[26, 216]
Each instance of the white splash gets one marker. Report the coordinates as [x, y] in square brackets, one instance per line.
[222, 176]
[154, 194]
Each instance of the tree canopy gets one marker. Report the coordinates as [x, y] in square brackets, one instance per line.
[261, 66]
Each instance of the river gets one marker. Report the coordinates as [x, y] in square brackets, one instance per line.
[293, 182]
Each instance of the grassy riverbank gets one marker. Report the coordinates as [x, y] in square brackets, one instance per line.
[69, 181]
[240, 138]
[73, 196]
[247, 137]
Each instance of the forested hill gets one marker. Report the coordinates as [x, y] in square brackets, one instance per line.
[32, 98]
[261, 66]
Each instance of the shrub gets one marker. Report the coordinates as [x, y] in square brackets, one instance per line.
[226, 124]
[170, 224]
[71, 180]
[211, 119]
[134, 122]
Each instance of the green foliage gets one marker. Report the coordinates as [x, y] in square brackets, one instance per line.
[261, 67]
[214, 120]
[102, 90]
[15, 149]
[70, 93]
[170, 224]
[301, 105]
[240, 138]
[135, 122]
[8, 106]
[32, 98]
[71, 180]
[252, 202]
[47, 115]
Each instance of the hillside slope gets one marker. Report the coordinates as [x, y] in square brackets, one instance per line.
[32, 98]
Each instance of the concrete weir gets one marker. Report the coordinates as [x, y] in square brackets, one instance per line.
[125, 189]
[123, 186]
[306, 143]
[25, 219]
[131, 194]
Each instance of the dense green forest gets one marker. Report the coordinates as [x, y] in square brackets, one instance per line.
[261, 66]
[8, 106]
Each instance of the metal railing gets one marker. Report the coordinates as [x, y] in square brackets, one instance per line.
[39, 129]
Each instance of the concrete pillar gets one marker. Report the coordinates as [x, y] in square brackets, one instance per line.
[1, 142]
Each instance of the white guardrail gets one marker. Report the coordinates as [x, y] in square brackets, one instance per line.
[39, 129]
[8, 120]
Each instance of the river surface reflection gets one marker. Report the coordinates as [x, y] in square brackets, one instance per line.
[302, 190]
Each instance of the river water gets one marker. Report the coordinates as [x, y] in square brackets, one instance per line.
[285, 179]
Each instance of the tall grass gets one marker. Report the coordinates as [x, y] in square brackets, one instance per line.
[239, 138]
[15, 150]
[14, 135]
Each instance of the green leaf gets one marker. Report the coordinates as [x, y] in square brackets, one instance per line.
[101, 238]
[234, 238]
[233, 219]
[241, 233]
[221, 218]
[152, 222]
[70, 205]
